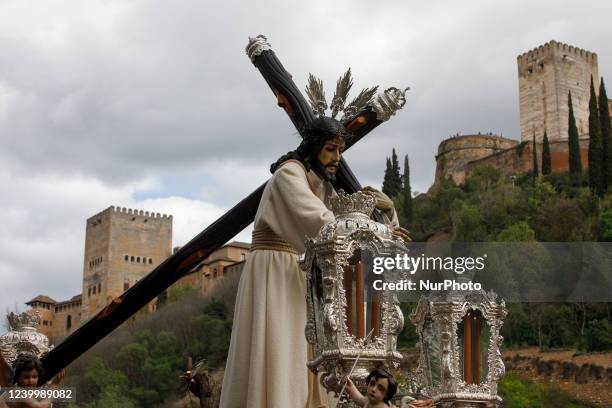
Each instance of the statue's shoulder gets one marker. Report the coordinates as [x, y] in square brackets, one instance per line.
[292, 166]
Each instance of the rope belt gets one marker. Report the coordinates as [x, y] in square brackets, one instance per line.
[265, 238]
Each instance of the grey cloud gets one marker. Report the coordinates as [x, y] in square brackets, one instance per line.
[102, 102]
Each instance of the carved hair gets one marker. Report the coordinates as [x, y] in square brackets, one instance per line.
[316, 134]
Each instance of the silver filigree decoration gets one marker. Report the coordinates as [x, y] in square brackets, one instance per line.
[256, 46]
[387, 104]
[329, 257]
[354, 204]
[316, 95]
[444, 311]
[343, 86]
[361, 101]
[23, 337]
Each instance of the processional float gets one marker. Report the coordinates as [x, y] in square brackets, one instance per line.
[23, 337]
[353, 328]
[232, 222]
[460, 361]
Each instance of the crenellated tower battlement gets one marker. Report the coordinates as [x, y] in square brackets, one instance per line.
[121, 246]
[546, 75]
[544, 49]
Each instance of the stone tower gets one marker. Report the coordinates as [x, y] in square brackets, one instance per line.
[121, 246]
[546, 75]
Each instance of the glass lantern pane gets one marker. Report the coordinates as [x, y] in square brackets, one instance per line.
[316, 292]
[473, 335]
[483, 360]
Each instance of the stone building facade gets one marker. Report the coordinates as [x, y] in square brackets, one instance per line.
[58, 319]
[546, 75]
[225, 261]
[122, 246]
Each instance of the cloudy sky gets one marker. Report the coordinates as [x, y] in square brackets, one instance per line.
[154, 105]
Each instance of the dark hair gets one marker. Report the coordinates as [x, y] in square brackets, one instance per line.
[314, 136]
[27, 362]
[380, 373]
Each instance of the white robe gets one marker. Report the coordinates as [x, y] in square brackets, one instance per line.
[266, 364]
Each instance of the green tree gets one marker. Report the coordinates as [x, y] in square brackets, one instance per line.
[599, 335]
[606, 141]
[519, 232]
[575, 163]
[407, 192]
[606, 225]
[534, 160]
[396, 177]
[467, 223]
[387, 186]
[392, 182]
[595, 146]
[546, 161]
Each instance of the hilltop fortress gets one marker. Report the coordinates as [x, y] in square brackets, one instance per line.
[122, 246]
[546, 75]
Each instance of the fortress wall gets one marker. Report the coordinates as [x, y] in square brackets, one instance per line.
[559, 156]
[455, 153]
[515, 160]
[70, 308]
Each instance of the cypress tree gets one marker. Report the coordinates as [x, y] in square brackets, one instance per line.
[407, 192]
[606, 143]
[575, 163]
[595, 149]
[546, 161]
[387, 183]
[534, 160]
[396, 178]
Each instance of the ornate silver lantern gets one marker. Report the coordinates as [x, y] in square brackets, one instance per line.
[460, 362]
[23, 337]
[348, 321]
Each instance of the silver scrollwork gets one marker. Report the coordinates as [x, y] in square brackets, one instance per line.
[256, 46]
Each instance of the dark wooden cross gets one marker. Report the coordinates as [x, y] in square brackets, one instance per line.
[227, 226]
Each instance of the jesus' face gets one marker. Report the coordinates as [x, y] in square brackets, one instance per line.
[330, 154]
